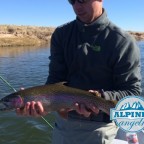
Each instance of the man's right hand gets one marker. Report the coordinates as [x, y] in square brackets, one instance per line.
[33, 108]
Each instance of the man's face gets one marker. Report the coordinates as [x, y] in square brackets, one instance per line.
[87, 12]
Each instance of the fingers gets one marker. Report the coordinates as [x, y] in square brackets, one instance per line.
[33, 108]
[39, 108]
[24, 111]
[95, 92]
[86, 110]
[94, 108]
[81, 109]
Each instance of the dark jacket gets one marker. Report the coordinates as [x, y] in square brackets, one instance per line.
[96, 56]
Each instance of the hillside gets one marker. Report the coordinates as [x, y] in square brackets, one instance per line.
[12, 35]
[138, 35]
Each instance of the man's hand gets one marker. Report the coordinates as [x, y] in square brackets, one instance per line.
[33, 108]
[86, 111]
[81, 108]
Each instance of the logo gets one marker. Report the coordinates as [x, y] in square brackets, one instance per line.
[96, 48]
[129, 114]
[84, 47]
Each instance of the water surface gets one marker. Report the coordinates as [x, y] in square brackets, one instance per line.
[25, 67]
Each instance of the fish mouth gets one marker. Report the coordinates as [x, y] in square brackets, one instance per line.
[7, 104]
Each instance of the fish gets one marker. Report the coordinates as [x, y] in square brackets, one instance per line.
[55, 97]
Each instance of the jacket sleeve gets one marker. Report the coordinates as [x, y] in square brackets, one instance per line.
[57, 66]
[126, 71]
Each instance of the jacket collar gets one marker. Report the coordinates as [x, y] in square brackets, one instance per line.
[96, 26]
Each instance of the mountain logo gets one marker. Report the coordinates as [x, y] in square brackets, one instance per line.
[129, 114]
[96, 48]
[85, 46]
[135, 105]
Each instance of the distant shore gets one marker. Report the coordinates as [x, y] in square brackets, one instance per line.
[139, 36]
[12, 35]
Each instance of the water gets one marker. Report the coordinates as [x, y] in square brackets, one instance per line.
[25, 67]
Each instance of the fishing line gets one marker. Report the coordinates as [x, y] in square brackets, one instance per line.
[47, 122]
[5, 81]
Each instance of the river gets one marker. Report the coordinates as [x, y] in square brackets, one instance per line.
[25, 67]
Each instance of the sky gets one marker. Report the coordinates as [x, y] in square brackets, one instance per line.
[127, 14]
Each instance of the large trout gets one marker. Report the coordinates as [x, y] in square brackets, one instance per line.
[55, 97]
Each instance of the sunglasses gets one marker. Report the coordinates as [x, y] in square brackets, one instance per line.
[72, 2]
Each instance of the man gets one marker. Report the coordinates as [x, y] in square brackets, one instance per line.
[90, 53]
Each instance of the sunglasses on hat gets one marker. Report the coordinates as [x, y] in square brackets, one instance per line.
[72, 2]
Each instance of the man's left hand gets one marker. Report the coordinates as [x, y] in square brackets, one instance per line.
[86, 111]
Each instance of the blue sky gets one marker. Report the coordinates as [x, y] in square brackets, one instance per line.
[128, 14]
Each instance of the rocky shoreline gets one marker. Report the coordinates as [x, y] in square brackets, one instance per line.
[139, 36]
[12, 35]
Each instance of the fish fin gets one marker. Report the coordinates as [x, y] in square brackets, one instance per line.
[114, 102]
[62, 83]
